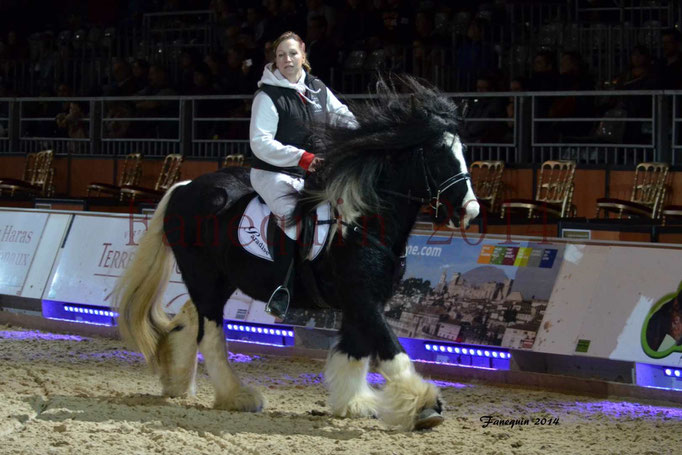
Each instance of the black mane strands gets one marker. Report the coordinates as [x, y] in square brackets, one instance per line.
[403, 116]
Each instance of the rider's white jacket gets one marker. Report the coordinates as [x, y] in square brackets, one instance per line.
[264, 120]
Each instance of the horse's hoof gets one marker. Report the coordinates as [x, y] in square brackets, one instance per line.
[428, 418]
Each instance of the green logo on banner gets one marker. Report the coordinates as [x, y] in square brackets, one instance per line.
[662, 328]
[583, 346]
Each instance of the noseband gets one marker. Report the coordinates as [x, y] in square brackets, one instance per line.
[434, 201]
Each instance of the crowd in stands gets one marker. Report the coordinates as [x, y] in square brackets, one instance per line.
[412, 36]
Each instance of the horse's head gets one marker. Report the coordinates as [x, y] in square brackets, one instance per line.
[448, 182]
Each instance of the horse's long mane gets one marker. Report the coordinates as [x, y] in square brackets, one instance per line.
[402, 116]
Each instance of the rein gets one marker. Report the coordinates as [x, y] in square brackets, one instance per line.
[356, 229]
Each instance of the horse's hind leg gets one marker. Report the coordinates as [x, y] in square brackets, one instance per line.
[229, 392]
[346, 374]
[178, 353]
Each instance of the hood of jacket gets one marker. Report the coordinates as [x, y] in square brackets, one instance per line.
[275, 78]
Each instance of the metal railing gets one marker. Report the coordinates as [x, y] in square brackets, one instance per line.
[600, 128]
[171, 32]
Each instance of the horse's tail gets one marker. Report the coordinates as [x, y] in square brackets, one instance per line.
[137, 294]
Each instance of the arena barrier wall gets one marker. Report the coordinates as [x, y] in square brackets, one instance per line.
[461, 301]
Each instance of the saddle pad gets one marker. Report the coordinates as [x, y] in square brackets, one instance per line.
[253, 228]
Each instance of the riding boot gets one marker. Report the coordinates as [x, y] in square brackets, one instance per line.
[284, 251]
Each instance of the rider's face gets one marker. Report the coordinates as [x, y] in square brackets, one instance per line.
[289, 59]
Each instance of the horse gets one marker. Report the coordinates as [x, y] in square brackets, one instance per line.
[403, 153]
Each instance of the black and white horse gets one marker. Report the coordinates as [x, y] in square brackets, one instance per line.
[404, 153]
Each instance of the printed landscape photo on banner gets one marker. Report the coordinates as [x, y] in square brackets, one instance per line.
[490, 293]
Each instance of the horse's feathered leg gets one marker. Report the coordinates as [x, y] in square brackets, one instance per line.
[346, 378]
[230, 393]
[407, 400]
[177, 353]
[209, 290]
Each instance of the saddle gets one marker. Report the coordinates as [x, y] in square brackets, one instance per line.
[257, 225]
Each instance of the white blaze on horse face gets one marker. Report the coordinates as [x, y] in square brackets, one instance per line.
[469, 203]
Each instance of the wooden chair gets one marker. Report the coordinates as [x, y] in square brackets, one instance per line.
[487, 179]
[170, 173]
[233, 160]
[671, 213]
[554, 192]
[130, 176]
[36, 179]
[646, 198]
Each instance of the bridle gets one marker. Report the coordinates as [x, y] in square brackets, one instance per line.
[433, 200]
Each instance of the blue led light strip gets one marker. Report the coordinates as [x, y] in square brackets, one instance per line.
[673, 372]
[261, 330]
[483, 352]
[90, 311]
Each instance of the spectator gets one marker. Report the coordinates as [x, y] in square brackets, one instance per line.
[140, 69]
[268, 52]
[545, 77]
[189, 58]
[64, 90]
[321, 52]
[47, 61]
[72, 121]
[292, 17]
[14, 49]
[202, 82]
[640, 74]
[671, 63]
[394, 28]
[572, 76]
[474, 55]
[485, 108]
[239, 73]
[317, 8]
[214, 61]
[354, 25]
[158, 86]
[124, 83]
[117, 128]
[255, 24]
[515, 85]
[4, 111]
[423, 29]
[275, 21]
[229, 32]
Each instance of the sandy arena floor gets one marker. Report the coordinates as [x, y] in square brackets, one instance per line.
[64, 394]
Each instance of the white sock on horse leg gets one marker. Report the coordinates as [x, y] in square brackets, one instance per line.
[229, 392]
[398, 367]
[349, 393]
[406, 393]
[178, 353]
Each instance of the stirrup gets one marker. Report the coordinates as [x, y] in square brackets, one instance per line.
[279, 302]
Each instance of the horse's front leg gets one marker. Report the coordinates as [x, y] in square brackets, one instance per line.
[346, 372]
[407, 400]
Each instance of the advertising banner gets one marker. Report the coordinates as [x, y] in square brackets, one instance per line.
[486, 292]
[20, 234]
[617, 302]
[96, 252]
